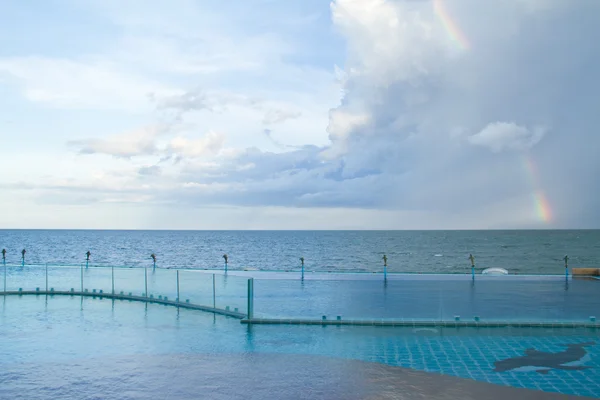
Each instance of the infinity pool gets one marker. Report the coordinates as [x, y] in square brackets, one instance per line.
[73, 348]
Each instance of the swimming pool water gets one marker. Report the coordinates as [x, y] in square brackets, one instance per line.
[36, 330]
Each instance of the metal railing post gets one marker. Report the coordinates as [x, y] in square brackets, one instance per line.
[214, 293]
[250, 298]
[46, 277]
[82, 278]
[177, 285]
[146, 280]
[113, 279]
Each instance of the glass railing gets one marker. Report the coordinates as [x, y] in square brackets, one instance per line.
[350, 297]
[190, 288]
[430, 298]
[230, 290]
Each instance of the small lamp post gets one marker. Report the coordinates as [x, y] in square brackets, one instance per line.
[226, 258]
[384, 267]
[87, 258]
[23, 257]
[566, 267]
[153, 257]
[472, 259]
[302, 266]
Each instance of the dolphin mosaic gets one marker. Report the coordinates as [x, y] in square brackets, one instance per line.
[571, 359]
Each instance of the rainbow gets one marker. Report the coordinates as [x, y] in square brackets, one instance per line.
[541, 204]
[439, 8]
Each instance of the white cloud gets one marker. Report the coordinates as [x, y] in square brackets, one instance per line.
[222, 102]
[275, 116]
[150, 170]
[342, 123]
[388, 40]
[209, 144]
[135, 143]
[147, 142]
[499, 136]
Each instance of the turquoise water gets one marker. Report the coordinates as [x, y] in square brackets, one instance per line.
[408, 251]
[39, 333]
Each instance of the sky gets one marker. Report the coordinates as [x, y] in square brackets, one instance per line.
[299, 114]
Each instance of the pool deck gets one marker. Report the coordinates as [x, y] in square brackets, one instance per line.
[252, 376]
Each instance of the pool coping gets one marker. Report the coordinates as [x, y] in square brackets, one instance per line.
[421, 324]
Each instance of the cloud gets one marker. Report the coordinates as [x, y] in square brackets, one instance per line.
[268, 134]
[499, 136]
[431, 126]
[275, 116]
[389, 40]
[209, 144]
[408, 133]
[151, 170]
[221, 102]
[145, 142]
[413, 94]
[130, 144]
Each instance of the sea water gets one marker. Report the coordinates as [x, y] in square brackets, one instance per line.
[522, 251]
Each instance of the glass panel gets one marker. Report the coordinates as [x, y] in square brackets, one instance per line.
[64, 278]
[231, 292]
[197, 287]
[97, 278]
[129, 280]
[352, 299]
[28, 277]
[162, 282]
[536, 299]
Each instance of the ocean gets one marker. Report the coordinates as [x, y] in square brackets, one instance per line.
[519, 251]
